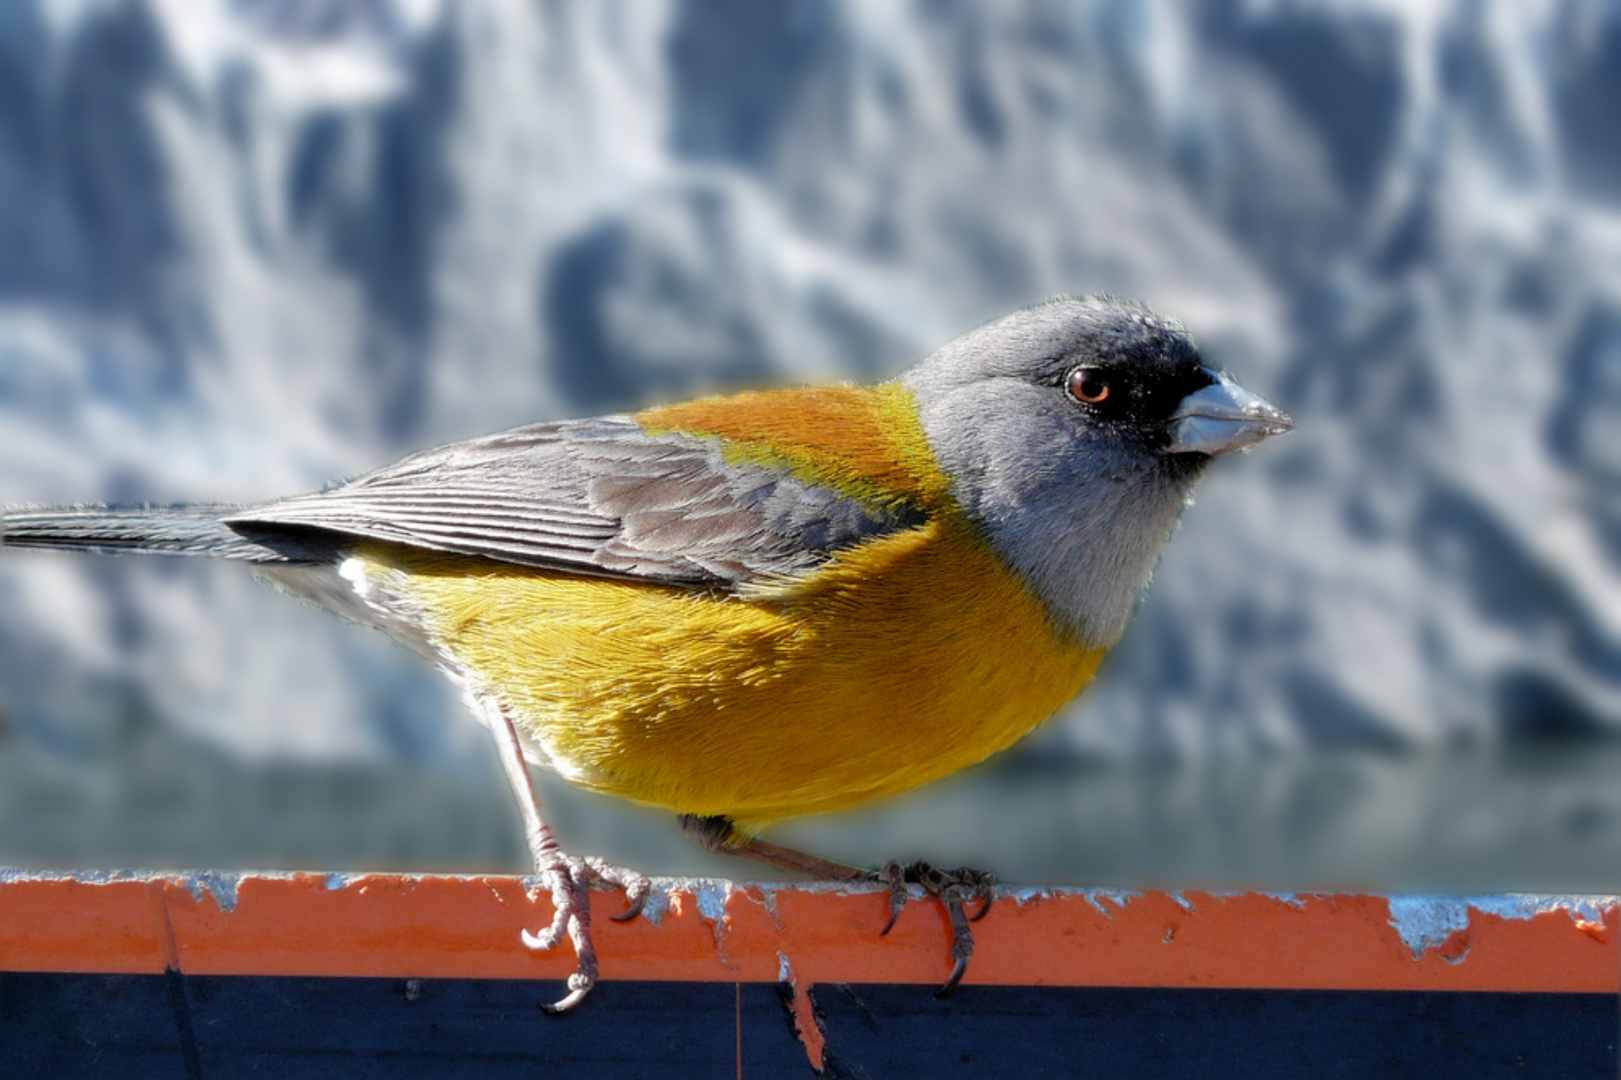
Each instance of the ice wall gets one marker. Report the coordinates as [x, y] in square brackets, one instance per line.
[250, 246]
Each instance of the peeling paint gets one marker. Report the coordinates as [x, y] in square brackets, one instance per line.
[1119, 898]
[801, 1009]
[1581, 909]
[219, 885]
[766, 897]
[10, 876]
[1426, 922]
[1294, 900]
[821, 888]
[657, 905]
[709, 894]
[712, 896]
[768, 900]
[1025, 894]
[1423, 922]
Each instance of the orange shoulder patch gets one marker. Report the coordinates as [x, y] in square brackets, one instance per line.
[863, 441]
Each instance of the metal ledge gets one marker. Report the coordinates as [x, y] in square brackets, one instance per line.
[706, 930]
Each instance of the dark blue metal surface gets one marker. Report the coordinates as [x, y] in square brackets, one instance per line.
[68, 1026]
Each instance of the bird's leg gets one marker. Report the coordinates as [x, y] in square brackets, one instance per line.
[955, 888]
[568, 877]
[719, 835]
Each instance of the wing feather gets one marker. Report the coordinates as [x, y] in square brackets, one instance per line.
[601, 497]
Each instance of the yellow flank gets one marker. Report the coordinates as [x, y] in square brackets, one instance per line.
[900, 661]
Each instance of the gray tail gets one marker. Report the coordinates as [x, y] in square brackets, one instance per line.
[200, 529]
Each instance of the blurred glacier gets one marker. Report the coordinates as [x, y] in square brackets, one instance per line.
[250, 246]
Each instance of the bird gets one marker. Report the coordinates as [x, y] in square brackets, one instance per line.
[776, 603]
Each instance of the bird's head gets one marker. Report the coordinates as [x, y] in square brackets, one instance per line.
[1073, 432]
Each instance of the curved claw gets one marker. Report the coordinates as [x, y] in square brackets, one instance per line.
[894, 875]
[537, 942]
[986, 896]
[962, 938]
[569, 879]
[637, 887]
[578, 986]
[957, 972]
[955, 889]
[548, 938]
[633, 908]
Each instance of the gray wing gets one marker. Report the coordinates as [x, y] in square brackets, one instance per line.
[599, 497]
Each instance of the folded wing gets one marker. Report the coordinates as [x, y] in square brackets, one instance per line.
[601, 497]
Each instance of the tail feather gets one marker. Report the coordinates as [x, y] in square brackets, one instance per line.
[197, 529]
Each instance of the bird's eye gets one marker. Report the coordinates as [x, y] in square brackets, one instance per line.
[1088, 385]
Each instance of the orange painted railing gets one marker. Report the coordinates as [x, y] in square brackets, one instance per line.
[455, 926]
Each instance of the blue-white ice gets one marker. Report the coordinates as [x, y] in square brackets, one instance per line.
[250, 246]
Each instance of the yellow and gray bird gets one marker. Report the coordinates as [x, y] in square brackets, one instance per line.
[754, 607]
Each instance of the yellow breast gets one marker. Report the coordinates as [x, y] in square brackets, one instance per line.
[898, 662]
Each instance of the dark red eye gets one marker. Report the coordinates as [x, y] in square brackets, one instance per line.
[1088, 385]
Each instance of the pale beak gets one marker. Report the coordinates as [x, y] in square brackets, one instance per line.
[1223, 416]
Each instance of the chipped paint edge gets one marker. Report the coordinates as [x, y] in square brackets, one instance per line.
[1422, 923]
[715, 893]
[1425, 922]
